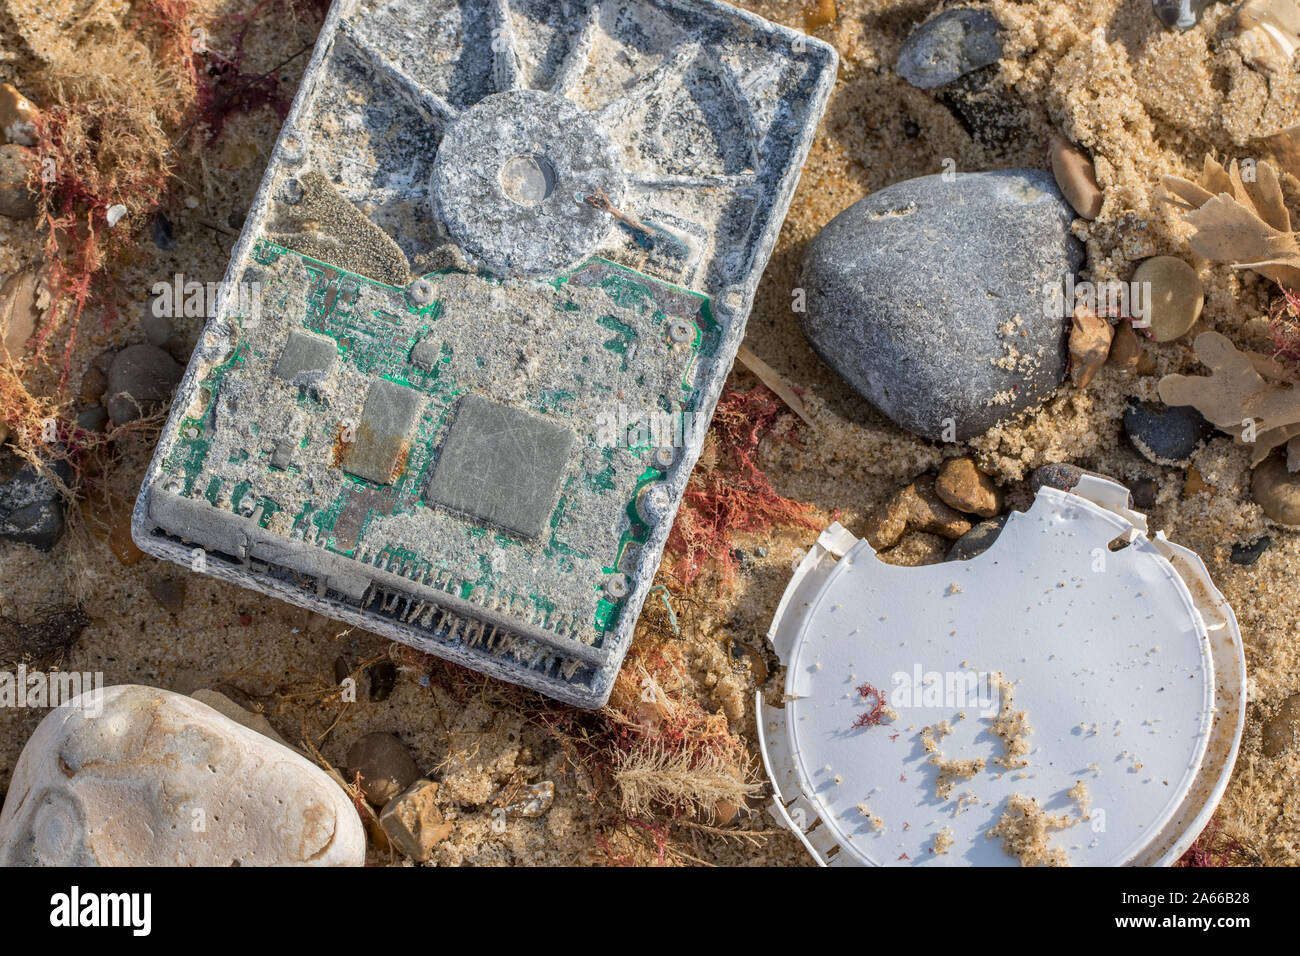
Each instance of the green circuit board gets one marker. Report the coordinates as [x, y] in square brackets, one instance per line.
[420, 436]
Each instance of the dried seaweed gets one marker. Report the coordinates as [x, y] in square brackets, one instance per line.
[1242, 223]
[1245, 395]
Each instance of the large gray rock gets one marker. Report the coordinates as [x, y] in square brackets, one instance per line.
[930, 297]
[140, 380]
[31, 507]
[137, 776]
[949, 46]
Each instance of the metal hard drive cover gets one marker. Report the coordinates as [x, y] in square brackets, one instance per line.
[1127, 660]
[496, 241]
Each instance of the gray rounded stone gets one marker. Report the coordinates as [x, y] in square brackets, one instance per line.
[385, 766]
[140, 379]
[932, 298]
[977, 540]
[949, 46]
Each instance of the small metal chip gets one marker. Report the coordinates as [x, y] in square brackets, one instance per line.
[382, 440]
[306, 358]
[426, 353]
[502, 465]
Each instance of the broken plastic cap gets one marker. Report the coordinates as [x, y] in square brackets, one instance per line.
[1112, 656]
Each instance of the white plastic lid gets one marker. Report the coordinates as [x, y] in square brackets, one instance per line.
[1106, 653]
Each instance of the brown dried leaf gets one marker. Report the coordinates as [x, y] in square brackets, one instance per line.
[1089, 345]
[1234, 394]
[1221, 396]
[1245, 225]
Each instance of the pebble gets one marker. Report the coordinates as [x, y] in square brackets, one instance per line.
[1248, 554]
[1060, 475]
[1090, 338]
[383, 678]
[31, 508]
[94, 381]
[1176, 297]
[17, 116]
[138, 776]
[918, 293]
[22, 302]
[914, 508]
[1182, 14]
[1195, 484]
[17, 201]
[413, 822]
[963, 486]
[140, 381]
[948, 46]
[1077, 177]
[1125, 348]
[1144, 492]
[1165, 434]
[93, 418]
[977, 540]
[385, 765]
[1281, 732]
[1277, 490]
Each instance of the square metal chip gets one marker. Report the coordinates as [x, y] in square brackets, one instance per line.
[501, 464]
[479, 317]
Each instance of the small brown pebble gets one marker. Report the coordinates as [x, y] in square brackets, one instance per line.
[1281, 732]
[1176, 296]
[23, 299]
[1090, 337]
[1196, 484]
[1125, 348]
[17, 201]
[963, 486]
[385, 766]
[1277, 490]
[17, 116]
[1077, 177]
[1147, 364]
[914, 508]
[413, 822]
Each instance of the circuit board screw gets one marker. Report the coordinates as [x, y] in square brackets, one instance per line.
[616, 587]
[664, 456]
[420, 293]
[652, 503]
[681, 331]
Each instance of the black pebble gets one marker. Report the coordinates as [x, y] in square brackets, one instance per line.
[1248, 554]
[160, 230]
[383, 678]
[1165, 434]
[1144, 493]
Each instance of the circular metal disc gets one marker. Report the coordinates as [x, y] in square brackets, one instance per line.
[511, 180]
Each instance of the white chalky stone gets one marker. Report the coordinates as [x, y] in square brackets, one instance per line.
[137, 776]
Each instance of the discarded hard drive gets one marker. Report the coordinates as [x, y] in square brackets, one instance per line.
[479, 317]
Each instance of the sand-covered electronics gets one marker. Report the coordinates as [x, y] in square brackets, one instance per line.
[479, 317]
